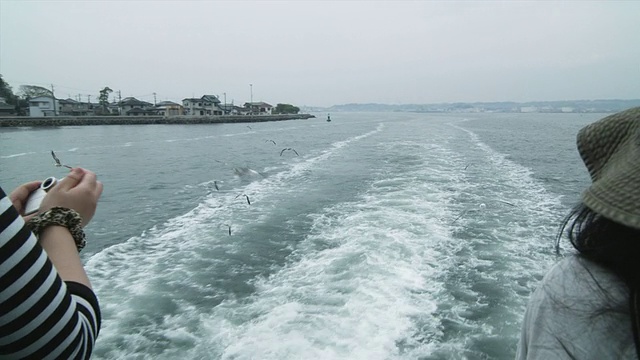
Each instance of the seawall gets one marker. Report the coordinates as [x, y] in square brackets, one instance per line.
[20, 121]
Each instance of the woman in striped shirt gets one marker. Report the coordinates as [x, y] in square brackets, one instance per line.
[47, 307]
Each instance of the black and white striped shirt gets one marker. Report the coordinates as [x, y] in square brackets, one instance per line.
[41, 316]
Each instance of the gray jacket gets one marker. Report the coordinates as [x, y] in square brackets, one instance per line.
[579, 311]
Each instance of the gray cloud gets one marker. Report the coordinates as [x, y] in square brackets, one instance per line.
[324, 53]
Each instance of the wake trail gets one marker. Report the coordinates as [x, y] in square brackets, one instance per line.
[168, 255]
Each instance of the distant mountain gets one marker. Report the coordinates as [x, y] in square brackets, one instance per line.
[581, 106]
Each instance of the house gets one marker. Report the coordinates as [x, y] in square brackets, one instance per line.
[130, 103]
[230, 109]
[239, 110]
[6, 109]
[113, 108]
[70, 107]
[169, 108]
[44, 106]
[206, 105]
[136, 111]
[261, 108]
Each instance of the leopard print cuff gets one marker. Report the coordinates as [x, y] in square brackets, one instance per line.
[68, 218]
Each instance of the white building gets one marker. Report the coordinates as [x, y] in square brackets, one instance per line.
[528, 109]
[44, 106]
[258, 108]
[206, 105]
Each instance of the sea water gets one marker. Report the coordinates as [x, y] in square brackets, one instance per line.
[390, 236]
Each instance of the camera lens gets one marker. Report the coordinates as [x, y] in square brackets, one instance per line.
[48, 183]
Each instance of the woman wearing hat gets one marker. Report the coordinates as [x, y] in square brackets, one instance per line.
[588, 305]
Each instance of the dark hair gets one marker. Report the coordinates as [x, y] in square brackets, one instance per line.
[614, 246]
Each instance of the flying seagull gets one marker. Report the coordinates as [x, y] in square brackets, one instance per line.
[480, 208]
[242, 171]
[292, 149]
[459, 216]
[274, 143]
[58, 163]
[245, 195]
[506, 202]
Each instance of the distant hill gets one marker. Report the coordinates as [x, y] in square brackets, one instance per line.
[567, 106]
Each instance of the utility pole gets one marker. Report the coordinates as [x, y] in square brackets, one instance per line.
[251, 101]
[154, 99]
[225, 103]
[53, 98]
[119, 100]
[89, 99]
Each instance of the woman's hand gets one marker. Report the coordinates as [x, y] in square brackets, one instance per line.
[79, 191]
[20, 195]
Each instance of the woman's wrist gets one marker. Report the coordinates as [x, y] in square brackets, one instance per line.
[59, 216]
[53, 234]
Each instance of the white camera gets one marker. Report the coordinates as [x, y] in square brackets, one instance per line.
[35, 198]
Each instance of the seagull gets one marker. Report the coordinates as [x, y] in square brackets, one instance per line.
[55, 158]
[274, 143]
[459, 216]
[292, 149]
[480, 208]
[506, 202]
[249, 127]
[241, 171]
[215, 184]
[245, 195]
[466, 166]
[58, 163]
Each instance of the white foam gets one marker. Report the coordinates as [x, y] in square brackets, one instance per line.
[16, 155]
[372, 279]
[121, 273]
[356, 284]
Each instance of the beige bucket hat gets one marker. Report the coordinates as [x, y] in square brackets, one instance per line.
[610, 148]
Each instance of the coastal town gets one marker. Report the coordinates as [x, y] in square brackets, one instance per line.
[36, 101]
[37, 106]
[206, 105]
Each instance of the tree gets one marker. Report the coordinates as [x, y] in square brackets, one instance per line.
[286, 109]
[31, 91]
[6, 93]
[10, 98]
[103, 99]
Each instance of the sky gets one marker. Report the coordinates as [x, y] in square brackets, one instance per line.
[323, 53]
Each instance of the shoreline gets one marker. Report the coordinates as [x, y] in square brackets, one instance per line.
[51, 121]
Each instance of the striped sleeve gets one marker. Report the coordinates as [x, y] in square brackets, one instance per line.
[41, 316]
